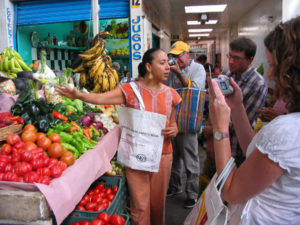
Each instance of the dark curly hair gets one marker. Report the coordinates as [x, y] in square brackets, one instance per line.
[284, 44]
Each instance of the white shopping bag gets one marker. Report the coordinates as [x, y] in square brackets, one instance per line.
[141, 141]
[210, 209]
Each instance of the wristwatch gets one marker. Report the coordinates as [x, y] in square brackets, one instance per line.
[218, 135]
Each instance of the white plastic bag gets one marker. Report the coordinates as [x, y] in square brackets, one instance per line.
[141, 140]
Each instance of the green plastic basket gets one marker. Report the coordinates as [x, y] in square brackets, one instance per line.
[117, 206]
[74, 219]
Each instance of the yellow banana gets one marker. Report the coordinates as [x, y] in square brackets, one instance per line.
[105, 82]
[93, 49]
[82, 80]
[112, 82]
[97, 88]
[93, 61]
[88, 57]
[78, 69]
[115, 74]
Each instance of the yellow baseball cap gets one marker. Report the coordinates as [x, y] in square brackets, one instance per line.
[178, 47]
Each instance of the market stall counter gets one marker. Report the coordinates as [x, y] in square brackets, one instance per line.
[64, 192]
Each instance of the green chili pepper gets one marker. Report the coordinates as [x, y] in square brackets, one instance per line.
[65, 137]
[79, 146]
[72, 149]
[50, 131]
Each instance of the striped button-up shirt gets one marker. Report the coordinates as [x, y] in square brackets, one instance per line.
[255, 90]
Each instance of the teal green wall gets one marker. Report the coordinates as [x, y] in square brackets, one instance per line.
[61, 31]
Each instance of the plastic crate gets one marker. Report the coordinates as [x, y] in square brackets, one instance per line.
[117, 206]
[74, 219]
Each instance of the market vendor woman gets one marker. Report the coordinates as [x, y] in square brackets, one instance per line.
[147, 190]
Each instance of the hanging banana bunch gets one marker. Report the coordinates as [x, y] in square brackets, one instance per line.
[95, 70]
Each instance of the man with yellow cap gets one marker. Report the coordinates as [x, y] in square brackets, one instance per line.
[185, 73]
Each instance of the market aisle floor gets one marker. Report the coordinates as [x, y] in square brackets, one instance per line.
[175, 212]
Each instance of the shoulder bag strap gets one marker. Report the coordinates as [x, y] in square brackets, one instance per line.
[138, 95]
[225, 173]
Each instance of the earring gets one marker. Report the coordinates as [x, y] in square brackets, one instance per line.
[150, 76]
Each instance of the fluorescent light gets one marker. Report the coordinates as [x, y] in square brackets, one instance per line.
[199, 30]
[194, 22]
[198, 35]
[205, 8]
[211, 22]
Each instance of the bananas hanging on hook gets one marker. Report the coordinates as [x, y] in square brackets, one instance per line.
[95, 70]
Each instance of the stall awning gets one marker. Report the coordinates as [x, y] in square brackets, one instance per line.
[52, 11]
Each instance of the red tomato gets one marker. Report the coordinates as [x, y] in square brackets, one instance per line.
[8, 168]
[19, 145]
[44, 180]
[91, 192]
[29, 145]
[44, 143]
[5, 149]
[96, 198]
[104, 216]
[52, 162]
[46, 160]
[2, 166]
[15, 157]
[115, 189]
[4, 158]
[36, 163]
[110, 197]
[100, 186]
[26, 155]
[56, 171]
[10, 176]
[108, 191]
[31, 177]
[62, 165]
[68, 158]
[40, 135]
[54, 137]
[21, 168]
[1, 176]
[81, 208]
[13, 139]
[105, 205]
[37, 153]
[98, 222]
[98, 208]
[117, 220]
[90, 205]
[45, 171]
[84, 222]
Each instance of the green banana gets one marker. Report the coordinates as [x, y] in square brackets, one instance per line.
[17, 65]
[1, 65]
[16, 70]
[23, 65]
[17, 55]
[5, 64]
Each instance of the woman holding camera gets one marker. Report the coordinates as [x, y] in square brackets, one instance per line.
[268, 181]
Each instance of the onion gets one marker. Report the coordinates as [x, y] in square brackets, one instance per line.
[91, 115]
[86, 121]
[99, 124]
[105, 131]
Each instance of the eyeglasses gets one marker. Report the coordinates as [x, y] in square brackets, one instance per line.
[235, 58]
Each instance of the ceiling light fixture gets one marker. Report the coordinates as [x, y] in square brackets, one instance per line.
[205, 8]
[199, 30]
[193, 22]
[203, 17]
[211, 22]
[198, 35]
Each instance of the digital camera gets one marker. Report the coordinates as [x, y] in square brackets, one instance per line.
[171, 60]
[225, 85]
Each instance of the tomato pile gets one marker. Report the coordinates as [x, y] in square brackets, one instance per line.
[103, 219]
[97, 198]
[33, 157]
